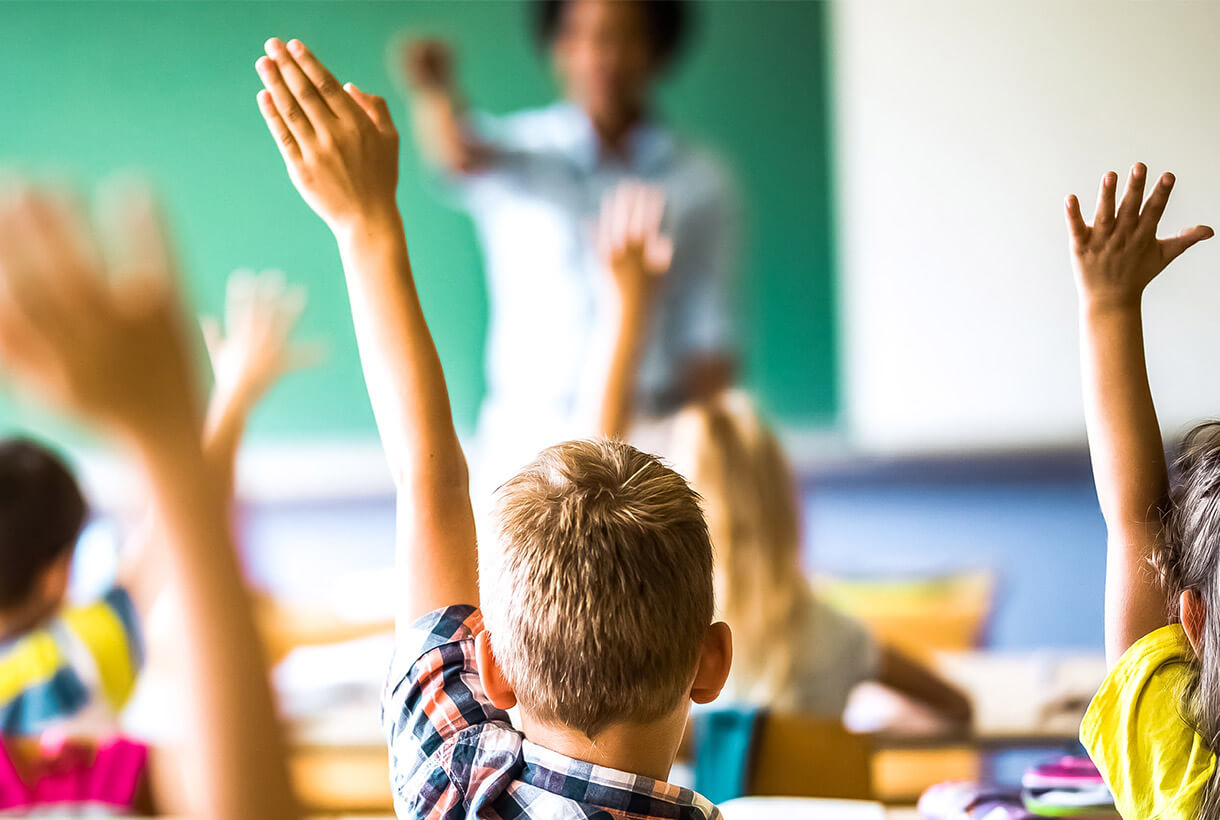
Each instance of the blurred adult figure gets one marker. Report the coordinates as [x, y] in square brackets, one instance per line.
[533, 182]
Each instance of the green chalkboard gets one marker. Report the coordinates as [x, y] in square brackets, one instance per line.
[169, 89]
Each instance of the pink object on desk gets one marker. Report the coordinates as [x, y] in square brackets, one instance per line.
[74, 775]
[1065, 773]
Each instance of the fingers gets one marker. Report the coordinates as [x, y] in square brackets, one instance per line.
[638, 196]
[79, 261]
[302, 88]
[262, 306]
[659, 255]
[620, 216]
[213, 338]
[1154, 208]
[1171, 249]
[1129, 210]
[605, 235]
[29, 323]
[285, 102]
[1103, 220]
[22, 265]
[291, 303]
[141, 251]
[652, 208]
[290, 149]
[239, 295]
[1077, 228]
[373, 106]
[328, 87]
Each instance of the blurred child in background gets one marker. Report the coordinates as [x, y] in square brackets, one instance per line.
[792, 651]
[66, 667]
[73, 668]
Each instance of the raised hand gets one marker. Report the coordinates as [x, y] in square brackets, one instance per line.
[428, 63]
[1115, 258]
[1119, 254]
[636, 254]
[339, 144]
[342, 154]
[254, 347]
[105, 340]
[630, 242]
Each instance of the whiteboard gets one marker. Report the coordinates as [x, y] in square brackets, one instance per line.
[960, 127]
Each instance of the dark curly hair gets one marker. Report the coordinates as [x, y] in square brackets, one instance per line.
[669, 22]
[41, 515]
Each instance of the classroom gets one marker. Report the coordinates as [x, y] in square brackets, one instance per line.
[609, 409]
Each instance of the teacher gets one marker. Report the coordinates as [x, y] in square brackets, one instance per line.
[533, 183]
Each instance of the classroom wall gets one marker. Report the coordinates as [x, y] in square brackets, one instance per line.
[1034, 523]
[960, 127]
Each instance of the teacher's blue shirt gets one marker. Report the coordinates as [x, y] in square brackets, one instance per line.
[534, 208]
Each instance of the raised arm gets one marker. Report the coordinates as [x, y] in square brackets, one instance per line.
[341, 150]
[636, 255]
[250, 351]
[919, 683]
[115, 352]
[437, 112]
[1115, 259]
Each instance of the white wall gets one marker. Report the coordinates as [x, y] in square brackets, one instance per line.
[961, 126]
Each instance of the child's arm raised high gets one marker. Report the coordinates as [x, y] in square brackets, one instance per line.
[341, 150]
[636, 254]
[1115, 258]
[113, 351]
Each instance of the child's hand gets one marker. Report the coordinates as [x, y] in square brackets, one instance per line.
[260, 314]
[339, 144]
[1118, 256]
[630, 242]
[111, 348]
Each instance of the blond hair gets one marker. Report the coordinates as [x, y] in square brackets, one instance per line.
[737, 464]
[601, 591]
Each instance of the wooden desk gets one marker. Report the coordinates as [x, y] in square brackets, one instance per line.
[339, 755]
[768, 808]
[1021, 700]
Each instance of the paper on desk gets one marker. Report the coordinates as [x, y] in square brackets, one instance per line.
[312, 679]
[1017, 693]
[800, 808]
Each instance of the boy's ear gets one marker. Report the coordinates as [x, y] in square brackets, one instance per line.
[53, 584]
[714, 661]
[1194, 614]
[498, 691]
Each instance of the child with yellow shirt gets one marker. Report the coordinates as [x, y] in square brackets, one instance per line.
[1153, 727]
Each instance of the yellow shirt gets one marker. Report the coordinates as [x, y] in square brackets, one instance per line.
[1153, 761]
[85, 657]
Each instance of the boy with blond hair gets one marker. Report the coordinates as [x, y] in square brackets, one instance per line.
[599, 606]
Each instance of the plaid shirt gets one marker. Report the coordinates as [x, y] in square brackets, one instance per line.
[454, 755]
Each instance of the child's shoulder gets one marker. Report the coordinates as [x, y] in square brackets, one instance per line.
[1137, 733]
